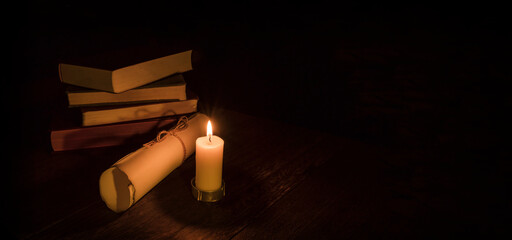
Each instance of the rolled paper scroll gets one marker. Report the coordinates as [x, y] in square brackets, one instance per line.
[130, 178]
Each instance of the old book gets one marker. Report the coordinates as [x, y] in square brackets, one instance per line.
[68, 134]
[169, 88]
[127, 77]
[112, 114]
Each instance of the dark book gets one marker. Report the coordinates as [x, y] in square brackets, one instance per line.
[66, 132]
[167, 89]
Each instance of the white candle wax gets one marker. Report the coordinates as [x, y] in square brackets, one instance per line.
[209, 154]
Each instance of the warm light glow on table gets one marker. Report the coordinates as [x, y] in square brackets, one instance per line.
[209, 156]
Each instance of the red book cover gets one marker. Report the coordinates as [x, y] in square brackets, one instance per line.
[67, 134]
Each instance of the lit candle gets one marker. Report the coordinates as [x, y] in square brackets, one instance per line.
[209, 153]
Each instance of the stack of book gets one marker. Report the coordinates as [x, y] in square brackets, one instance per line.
[110, 107]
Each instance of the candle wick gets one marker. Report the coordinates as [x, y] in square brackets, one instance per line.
[210, 138]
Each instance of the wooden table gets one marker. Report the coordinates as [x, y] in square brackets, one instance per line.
[282, 182]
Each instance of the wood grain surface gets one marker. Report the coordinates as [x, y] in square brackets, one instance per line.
[263, 161]
[282, 182]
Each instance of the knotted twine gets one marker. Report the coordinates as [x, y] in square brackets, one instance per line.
[180, 126]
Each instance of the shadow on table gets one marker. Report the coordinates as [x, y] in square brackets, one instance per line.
[241, 201]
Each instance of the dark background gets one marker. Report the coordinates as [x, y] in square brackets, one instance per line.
[433, 78]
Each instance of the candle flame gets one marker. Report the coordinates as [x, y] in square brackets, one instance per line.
[209, 130]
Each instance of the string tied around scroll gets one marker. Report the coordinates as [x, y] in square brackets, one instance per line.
[180, 126]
